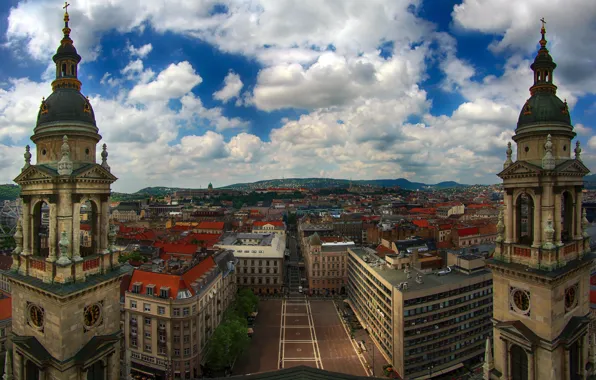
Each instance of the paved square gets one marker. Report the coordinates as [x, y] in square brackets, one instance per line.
[296, 331]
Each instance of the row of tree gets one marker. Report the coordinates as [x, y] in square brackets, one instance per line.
[230, 338]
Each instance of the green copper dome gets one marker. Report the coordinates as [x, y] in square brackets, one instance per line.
[544, 107]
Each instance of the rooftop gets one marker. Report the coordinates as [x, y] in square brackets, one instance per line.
[237, 238]
[398, 276]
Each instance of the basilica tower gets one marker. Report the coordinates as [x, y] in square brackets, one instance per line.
[541, 266]
[65, 275]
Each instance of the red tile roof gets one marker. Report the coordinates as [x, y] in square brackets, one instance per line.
[419, 210]
[5, 262]
[382, 251]
[422, 223]
[208, 239]
[177, 248]
[467, 231]
[172, 281]
[5, 308]
[211, 226]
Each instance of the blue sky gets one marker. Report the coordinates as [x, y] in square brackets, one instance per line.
[234, 91]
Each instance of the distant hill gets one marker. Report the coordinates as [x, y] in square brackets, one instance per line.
[9, 192]
[313, 183]
[590, 181]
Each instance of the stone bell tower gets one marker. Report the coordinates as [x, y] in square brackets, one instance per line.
[541, 266]
[65, 275]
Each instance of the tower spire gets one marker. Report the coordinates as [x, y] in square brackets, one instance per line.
[543, 66]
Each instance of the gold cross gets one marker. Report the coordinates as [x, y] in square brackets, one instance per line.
[543, 22]
[65, 7]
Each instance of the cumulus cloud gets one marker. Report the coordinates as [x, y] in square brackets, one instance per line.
[231, 88]
[361, 114]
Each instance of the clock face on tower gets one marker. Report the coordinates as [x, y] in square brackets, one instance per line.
[571, 297]
[92, 315]
[519, 301]
[35, 316]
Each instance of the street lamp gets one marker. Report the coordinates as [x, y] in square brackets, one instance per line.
[430, 371]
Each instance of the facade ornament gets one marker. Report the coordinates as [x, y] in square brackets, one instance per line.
[104, 157]
[548, 161]
[508, 161]
[27, 156]
[65, 165]
[18, 237]
[500, 227]
[8, 375]
[585, 223]
[63, 244]
[549, 233]
[113, 231]
[578, 151]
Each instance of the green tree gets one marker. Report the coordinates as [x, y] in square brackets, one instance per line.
[132, 256]
[239, 338]
[218, 354]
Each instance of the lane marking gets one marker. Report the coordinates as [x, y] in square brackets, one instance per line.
[360, 356]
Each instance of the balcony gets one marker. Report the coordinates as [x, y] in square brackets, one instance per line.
[133, 322]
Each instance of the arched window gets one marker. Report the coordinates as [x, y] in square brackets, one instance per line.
[519, 363]
[41, 229]
[566, 216]
[63, 73]
[72, 70]
[88, 229]
[96, 371]
[524, 219]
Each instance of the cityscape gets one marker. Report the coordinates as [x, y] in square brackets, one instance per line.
[147, 233]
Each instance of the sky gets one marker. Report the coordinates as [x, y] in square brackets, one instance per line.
[188, 92]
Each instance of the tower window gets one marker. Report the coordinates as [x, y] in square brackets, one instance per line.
[87, 151]
[72, 70]
[43, 152]
[527, 149]
[63, 69]
[564, 148]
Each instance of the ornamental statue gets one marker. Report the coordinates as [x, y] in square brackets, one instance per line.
[65, 165]
[509, 152]
[585, 223]
[500, 227]
[27, 156]
[549, 233]
[63, 244]
[548, 161]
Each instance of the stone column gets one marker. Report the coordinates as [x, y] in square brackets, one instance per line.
[557, 219]
[509, 217]
[26, 224]
[105, 223]
[506, 374]
[65, 222]
[42, 374]
[98, 229]
[76, 229]
[53, 240]
[537, 221]
[578, 214]
[531, 365]
[566, 370]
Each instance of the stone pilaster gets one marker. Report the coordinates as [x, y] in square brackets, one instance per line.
[509, 217]
[105, 224]
[506, 374]
[26, 210]
[537, 224]
[52, 239]
[531, 365]
[578, 215]
[557, 219]
[76, 231]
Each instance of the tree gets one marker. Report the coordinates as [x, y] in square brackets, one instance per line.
[239, 337]
[218, 354]
[132, 256]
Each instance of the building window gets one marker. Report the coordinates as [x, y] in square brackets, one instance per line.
[162, 325]
[185, 311]
[148, 334]
[164, 292]
[186, 351]
[133, 342]
[136, 287]
[150, 289]
[162, 350]
[161, 310]
[186, 338]
[148, 347]
[176, 338]
[147, 307]
[176, 312]
[176, 352]
[133, 304]
[194, 309]
[147, 321]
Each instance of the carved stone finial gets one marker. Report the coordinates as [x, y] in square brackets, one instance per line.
[548, 161]
[104, 157]
[18, 237]
[508, 161]
[8, 375]
[549, 233]
[27, 156]
[578, 151]
[112, 232]
[65, 165]
[585, 223]
[489, 363]
[63, 244]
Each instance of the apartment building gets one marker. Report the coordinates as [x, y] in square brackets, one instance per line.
[171, 310]
[326, 261]
[425, 322]
[260, 260]
[269, 226]
[5, 326]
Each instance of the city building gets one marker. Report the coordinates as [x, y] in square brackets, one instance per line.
[269, 226]
[469, 236]
[542, 261]
[452, 209]
[425, 322]
[171, 310]
[128, 212]
[326, 261]
[5, 327]
[65, 296]
[260, 260]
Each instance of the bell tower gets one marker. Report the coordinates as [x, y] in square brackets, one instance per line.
[65, 274]
[541, 265]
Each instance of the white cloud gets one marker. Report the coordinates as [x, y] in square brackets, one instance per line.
[231, 89]
[141, 51]
[174, 82]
